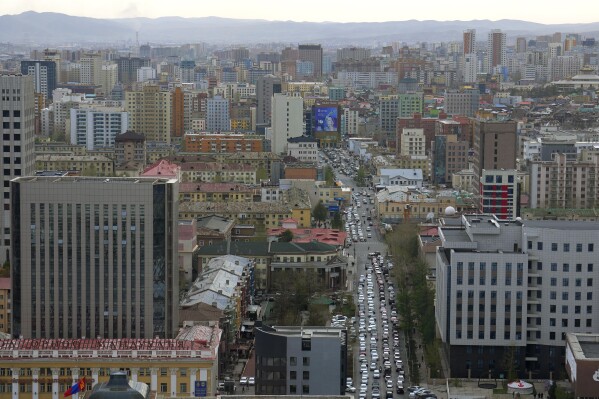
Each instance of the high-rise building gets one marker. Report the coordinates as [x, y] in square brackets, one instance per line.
[97, 127]
[287, 120]
[315, 360]
[150, 113]
[564, 183]
[108, 77]
[389, 111]
[98, 257]
[464, 102]
[312, 53]
[469, 41]
[266, 87]
[512, 290]
[521, 45]
[146, 73]
[409, 104]
[412, 142]
[470, 70]
[17, 153]
[353, 53]
[128, 66]
[217, 114]
[449, 156]
[499, 193]
[91, 69]
[496, 49]
[44, 76]
[495, 145]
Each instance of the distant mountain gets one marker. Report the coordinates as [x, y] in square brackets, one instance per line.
[53, 28]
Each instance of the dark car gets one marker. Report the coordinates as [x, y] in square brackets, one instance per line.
[389, 395]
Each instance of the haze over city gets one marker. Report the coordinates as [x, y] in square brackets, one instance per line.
[576, 11]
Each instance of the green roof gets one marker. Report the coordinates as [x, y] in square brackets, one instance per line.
[238, 248]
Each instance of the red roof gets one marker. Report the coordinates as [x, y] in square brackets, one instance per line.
[327, 236]
[4, 283]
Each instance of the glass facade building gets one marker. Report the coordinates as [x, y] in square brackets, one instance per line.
[95, 257]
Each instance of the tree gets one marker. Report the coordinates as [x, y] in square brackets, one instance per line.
[329, 176]
[361, 177]
[261, 173]
[320, 212]
[337, 222]
[286, 236]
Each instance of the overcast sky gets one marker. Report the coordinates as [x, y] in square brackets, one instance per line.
[543, 11]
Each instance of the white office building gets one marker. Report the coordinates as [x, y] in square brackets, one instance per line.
[287, 120]
[514, 289]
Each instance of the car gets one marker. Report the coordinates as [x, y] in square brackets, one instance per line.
[243, 381]
[221, 386]
[251, 381]
[376, 374]
[389, 395]
[350, 388]
[400, 390]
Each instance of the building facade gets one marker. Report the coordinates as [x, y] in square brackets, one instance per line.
[287, 121]
[97, 259]
[97, 127]
[306, 360]
[46, 368]
[563, 183]
[495, 145]
[44, 76]
[150, 112]
[513, 289]
[17, 154]
[217, 114]
[499, 193]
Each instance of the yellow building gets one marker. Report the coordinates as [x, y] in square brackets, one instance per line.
[299, 202]
[414, 162]
[96, 165]
[5, 305]
[267, 214]
[150, 113]
[396, 204]
[46, 368]
[218, 192]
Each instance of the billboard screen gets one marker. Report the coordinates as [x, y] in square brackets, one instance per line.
[326, 119]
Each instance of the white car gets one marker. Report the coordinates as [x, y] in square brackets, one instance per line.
[251, 381]
[243, 381]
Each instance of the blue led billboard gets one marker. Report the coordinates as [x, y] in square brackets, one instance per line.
[326, 119]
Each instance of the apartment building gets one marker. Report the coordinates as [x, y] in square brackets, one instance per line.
[97, 127]
[565, 183]
[304, 149]
[513, 289]
[222, 142]
[499, 193]
[150, 113]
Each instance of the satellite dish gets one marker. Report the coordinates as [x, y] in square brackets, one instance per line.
[450, 211]
[518, 219]
[430, 216]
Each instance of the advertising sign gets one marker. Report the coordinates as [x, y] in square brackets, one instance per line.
[201, 389]
[326, 119]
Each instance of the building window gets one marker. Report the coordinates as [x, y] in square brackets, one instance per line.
[306, 361]
[163, 387]
[578, 247]
[305, 389]
[306, 375]
[591, 247]
[566, 247]
[183, 387]
[293, 388]
[292, 374]
[306, 344]
[293, 361]
[554, 247]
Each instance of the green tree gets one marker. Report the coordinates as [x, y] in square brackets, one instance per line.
[286, 236]
[329, 176]
[337, 222]
[261, 173]
[361, 177]
[320, 212]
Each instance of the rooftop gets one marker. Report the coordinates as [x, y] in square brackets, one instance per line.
[196, 338]
[225, 208]
[90, 180]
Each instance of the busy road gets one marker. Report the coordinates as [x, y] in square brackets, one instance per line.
[379, 350]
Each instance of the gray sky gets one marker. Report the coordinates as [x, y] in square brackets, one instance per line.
[542, 11]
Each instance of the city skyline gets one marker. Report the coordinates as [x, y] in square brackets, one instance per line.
[312, 11]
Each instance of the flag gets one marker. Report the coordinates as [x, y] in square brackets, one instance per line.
[77, 387]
